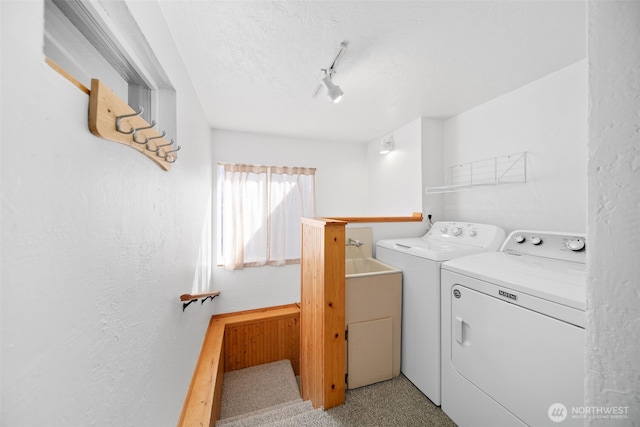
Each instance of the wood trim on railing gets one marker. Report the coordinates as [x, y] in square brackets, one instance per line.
[67, 76]
[202, 403]
[416, 217]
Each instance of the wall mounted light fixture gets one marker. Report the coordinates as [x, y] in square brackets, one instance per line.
[386, 146]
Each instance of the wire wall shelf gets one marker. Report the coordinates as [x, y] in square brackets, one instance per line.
[510, 169]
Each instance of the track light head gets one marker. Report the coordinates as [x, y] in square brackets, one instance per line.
[333, 92]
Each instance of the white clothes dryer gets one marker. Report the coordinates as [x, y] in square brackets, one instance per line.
[513, 333]
[419, 259]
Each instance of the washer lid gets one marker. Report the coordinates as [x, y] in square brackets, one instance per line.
[559, 281]
[434, 250]
[448, 240]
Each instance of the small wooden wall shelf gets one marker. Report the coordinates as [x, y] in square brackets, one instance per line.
[105, 107]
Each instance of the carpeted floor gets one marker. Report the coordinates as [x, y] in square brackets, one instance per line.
[258, 387]
[396, 402]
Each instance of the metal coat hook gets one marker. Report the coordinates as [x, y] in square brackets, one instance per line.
[159, 147]
[204, 299]
[147, 140]
[167, 154]
[153, 124]
[186, 304]
[119, 118]
[171, 159]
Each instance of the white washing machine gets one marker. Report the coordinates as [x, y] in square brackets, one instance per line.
[419, 259]
[513, 333]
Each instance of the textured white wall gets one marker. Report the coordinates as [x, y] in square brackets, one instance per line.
[433, 167]
[613, 290]
[395, 178]
[97, 245]
[546, 118]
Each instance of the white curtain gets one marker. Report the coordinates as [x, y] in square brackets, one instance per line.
[260, 210]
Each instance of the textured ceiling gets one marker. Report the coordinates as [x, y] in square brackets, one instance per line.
[256, 64]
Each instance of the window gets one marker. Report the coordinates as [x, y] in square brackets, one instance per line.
[259, 211]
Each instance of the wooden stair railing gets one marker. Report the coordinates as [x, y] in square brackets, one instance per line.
[317, 355]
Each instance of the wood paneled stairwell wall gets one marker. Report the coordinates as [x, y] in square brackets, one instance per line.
[235, 341]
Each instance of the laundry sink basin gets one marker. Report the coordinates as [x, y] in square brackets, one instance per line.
[367, 266]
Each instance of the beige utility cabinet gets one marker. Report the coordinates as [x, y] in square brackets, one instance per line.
[373, 317]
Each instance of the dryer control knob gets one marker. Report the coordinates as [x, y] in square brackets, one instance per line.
[575, 245]
[519, 238]
[456, 231]
[472, 233]
[536, 240]
[443, 230]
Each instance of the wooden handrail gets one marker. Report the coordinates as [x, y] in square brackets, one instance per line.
[193, 298]
[189, 297]
[416, 217]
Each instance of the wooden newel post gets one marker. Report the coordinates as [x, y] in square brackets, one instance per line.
[322, 312]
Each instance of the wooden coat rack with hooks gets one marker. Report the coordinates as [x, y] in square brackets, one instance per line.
[111, 118]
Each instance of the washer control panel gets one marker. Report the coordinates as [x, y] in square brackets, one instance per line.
[562, 246]
[457, 229]
[467, 233]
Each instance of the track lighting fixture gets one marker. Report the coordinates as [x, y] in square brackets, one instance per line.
[333, 92]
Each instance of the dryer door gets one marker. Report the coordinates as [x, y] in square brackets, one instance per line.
[524, 360]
